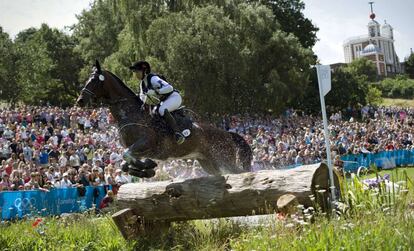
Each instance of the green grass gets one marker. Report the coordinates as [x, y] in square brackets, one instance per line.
[84, 233]
[396, 172]
[369, 231]
[370, 220]
[398, 102]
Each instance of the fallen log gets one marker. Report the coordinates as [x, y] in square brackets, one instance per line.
[229, 195]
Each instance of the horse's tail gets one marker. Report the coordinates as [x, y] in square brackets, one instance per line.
[244, 152]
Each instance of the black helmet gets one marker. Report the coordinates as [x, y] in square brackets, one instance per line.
[141, 66]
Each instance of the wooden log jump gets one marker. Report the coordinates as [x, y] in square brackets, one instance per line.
[253, 193]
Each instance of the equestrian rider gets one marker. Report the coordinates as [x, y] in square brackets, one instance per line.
[154, 91]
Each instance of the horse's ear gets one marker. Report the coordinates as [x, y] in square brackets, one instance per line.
[98, 66]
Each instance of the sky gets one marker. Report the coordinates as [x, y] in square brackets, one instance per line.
[340, 19]
[337, 20]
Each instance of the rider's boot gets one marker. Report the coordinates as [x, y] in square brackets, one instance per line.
[179, 137]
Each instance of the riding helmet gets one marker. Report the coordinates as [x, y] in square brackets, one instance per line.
[141, 66]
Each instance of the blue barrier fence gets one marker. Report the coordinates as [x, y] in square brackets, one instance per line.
[16, 204]
[383, 160]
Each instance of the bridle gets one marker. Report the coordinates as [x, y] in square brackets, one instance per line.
[101, 79]
[92, 94]
[87, 91]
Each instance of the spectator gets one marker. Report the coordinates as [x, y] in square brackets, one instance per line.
[74, 160]
[119, 178]
[107, 200]
[5, 183]
[65, 182]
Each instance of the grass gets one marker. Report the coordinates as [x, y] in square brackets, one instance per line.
[398, 102]
[369, 220]
[396, 172]
[83, 233]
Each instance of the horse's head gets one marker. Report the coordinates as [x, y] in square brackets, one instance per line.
[95, 86]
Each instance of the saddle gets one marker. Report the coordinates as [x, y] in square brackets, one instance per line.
[181, 116]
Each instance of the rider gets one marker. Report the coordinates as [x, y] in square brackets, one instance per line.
[154, 90]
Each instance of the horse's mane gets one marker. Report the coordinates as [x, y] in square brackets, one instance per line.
[125, 86]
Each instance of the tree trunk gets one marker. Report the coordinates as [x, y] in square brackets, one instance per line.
[225, 196]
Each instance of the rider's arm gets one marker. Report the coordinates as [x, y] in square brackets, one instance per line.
[161, 86]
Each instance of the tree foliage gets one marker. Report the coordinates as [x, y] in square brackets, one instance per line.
[363, 68]
[398, 87]
[47, 66]
[374, 96]
[224, 55]
[9, 89]
[409, 66]
[289, 14]
[243, 63]
[96, 33]
[349, 87]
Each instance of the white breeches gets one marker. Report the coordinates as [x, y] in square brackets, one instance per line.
[172, 103]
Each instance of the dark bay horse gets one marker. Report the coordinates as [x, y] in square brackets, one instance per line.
[217, 151]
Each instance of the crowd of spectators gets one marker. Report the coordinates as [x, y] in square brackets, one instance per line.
[47, 147]
[296, 139]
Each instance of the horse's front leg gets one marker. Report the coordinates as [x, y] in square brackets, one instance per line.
[132, 162]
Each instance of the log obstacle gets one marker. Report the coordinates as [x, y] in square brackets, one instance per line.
[154, 205]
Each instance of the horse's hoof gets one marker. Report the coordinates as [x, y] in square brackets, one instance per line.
[149, 173]
[137, 173]
[137, 165]
[149, 164]
[142, 174]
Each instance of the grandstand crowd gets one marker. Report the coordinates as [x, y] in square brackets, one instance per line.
[47, 147]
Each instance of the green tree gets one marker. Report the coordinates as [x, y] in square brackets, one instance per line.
[399, 87]
[264, 47]
[96, 33]
[48, 67]
[374, 96]
[9, 88]
[409, 66]
[363, 68]
[347, 89]
[289, 14]
[243, 63]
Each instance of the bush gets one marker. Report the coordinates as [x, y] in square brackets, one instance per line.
[374, 96]
[399, 87]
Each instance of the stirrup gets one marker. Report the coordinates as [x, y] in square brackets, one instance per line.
[179, 137]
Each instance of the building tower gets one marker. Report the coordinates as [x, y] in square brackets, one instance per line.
[373, 25]
[377, 46]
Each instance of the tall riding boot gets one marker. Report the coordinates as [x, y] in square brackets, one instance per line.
[179, 137]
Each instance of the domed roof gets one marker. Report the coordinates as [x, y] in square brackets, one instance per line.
[386, 25]
[371, 48]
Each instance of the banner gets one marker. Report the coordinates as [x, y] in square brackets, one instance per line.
[16, 204]
[383, 160]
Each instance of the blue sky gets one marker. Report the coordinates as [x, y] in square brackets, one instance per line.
[340, 19]
[337, 20]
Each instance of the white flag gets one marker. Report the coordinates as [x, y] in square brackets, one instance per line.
[324, 78]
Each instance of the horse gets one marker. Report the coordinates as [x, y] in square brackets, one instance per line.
[218, 151]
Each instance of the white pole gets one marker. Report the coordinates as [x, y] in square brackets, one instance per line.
[322, 92]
